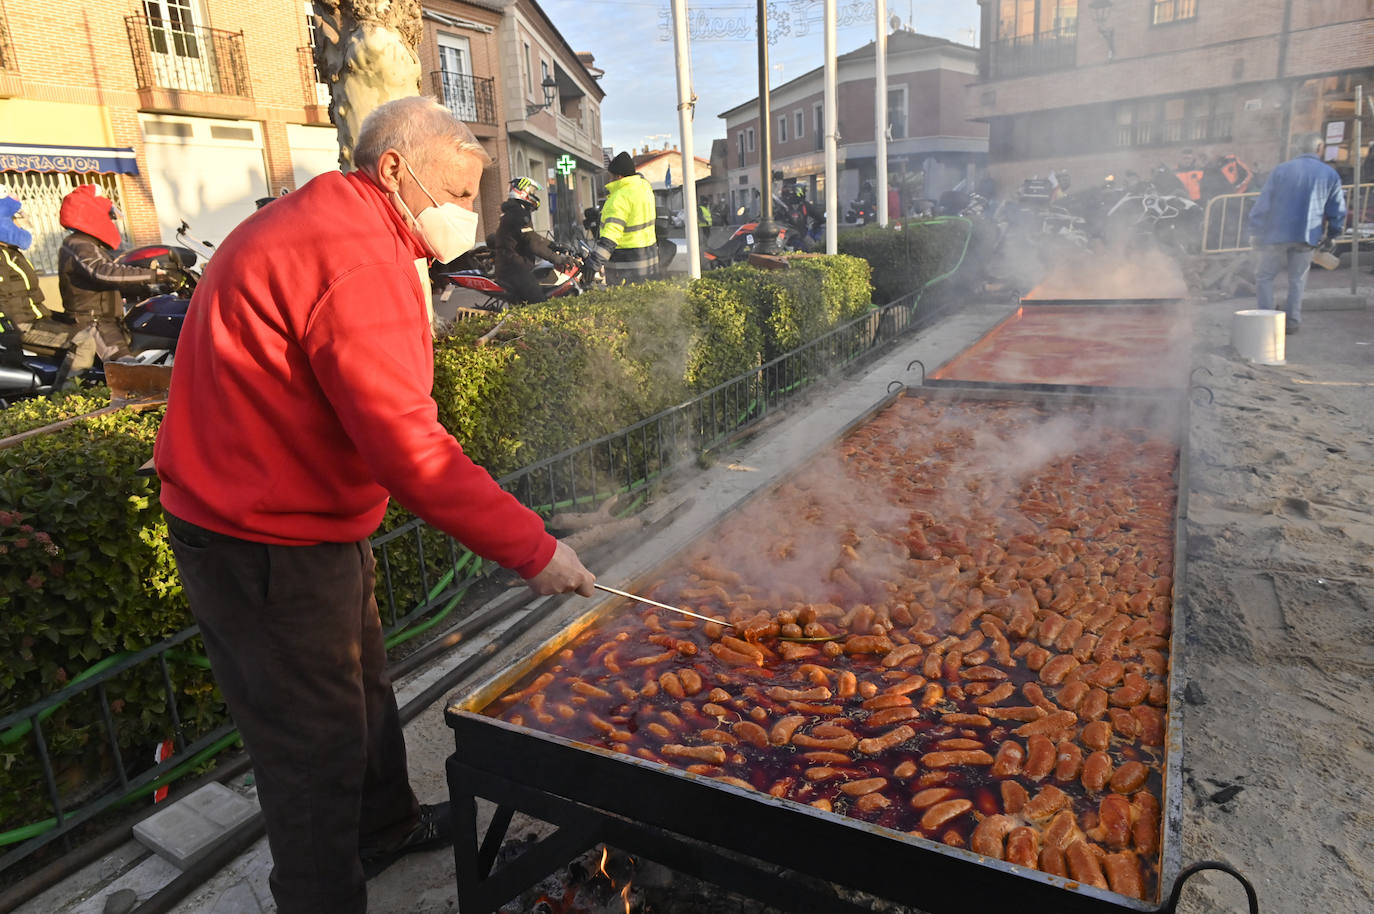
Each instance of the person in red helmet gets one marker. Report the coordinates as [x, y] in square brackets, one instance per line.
[89, 278]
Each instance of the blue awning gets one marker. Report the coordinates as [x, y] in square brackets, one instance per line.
[78, 159]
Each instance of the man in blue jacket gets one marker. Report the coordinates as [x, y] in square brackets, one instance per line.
[1301, 204]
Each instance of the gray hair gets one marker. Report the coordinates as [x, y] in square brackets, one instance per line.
[1309, 142]
[414, 127]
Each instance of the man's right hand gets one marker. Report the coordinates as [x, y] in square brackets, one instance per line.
[591, 265]
[563, 574]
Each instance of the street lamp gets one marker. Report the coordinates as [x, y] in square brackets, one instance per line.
[1101, 10]
[767, 232]
[550, 87]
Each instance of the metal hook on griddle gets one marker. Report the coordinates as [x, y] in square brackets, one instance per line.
[1211, 397]
[894, 386]
[1172, 905]
[923, 369]
[1197, 369]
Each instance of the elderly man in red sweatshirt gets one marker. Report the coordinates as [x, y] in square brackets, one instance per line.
[300, 400]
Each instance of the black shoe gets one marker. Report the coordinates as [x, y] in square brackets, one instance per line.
[1290, 328]
[433, 831]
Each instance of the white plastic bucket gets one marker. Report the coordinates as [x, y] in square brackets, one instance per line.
[1257, 336]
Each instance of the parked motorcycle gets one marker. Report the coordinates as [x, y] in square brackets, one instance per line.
[1171, 221]
[861, 212]
[794, 210]
[153, 323]
[744, 241]
[25, 373]
[476, 272]
[667, 250]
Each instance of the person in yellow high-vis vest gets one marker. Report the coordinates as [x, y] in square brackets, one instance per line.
[626, 248]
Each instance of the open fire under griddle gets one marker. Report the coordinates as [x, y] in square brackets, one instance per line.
[587, 758]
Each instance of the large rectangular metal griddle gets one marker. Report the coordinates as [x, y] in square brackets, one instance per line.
[662, 812]
[983, 363]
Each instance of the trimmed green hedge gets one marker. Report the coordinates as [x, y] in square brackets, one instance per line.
[87, 570]
[87, 573]
[907, 256]
[563, 372]
[84, 561]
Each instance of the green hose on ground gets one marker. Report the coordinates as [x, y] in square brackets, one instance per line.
[34, 829]
[23, 728]
[968, 238]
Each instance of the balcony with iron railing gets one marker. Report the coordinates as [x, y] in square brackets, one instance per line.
[1213, 128]
[472, 99]
[573, 135]
[10, 85]
[1025, 55]
[315, 89]
[189, 68]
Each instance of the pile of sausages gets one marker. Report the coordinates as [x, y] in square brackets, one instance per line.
[974, 654]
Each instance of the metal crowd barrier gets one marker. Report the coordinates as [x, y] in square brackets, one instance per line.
[1225, 221]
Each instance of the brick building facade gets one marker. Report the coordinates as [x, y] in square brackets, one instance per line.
[932, 141]
[487, 60]
[552, 104]
[215, 99]
[459, 65]
[195, 109]
[1114, 85]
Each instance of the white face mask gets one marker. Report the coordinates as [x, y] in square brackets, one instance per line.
[447, 228]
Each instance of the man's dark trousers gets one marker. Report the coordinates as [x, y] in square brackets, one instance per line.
[296, 648]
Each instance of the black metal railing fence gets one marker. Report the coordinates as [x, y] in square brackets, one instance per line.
[190, 58]
[472, 99]
[421, 572]
[1022, 55]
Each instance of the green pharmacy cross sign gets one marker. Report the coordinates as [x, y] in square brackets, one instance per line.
[566, 165]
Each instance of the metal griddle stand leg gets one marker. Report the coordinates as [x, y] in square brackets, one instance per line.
[482, 889]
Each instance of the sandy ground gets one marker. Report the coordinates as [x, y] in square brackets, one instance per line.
[1278, 745]
[1279, 728]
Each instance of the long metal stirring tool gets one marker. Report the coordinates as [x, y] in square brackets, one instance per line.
[676, 609]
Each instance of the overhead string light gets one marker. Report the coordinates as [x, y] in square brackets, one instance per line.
[786, 18]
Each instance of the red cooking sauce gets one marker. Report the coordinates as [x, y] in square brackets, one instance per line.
[898, 524]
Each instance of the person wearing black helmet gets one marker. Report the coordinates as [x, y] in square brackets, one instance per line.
[515, 244]
[798, 213]
[627, 248]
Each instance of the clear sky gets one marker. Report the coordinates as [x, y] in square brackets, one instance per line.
[632, 42]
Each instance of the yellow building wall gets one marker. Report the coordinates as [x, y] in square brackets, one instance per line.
[24, 120]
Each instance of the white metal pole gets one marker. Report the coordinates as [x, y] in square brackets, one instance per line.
[880, 109]
[685, 110]
[1356, 204]
[831, 125]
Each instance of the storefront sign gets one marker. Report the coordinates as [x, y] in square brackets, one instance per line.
[68, 159]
